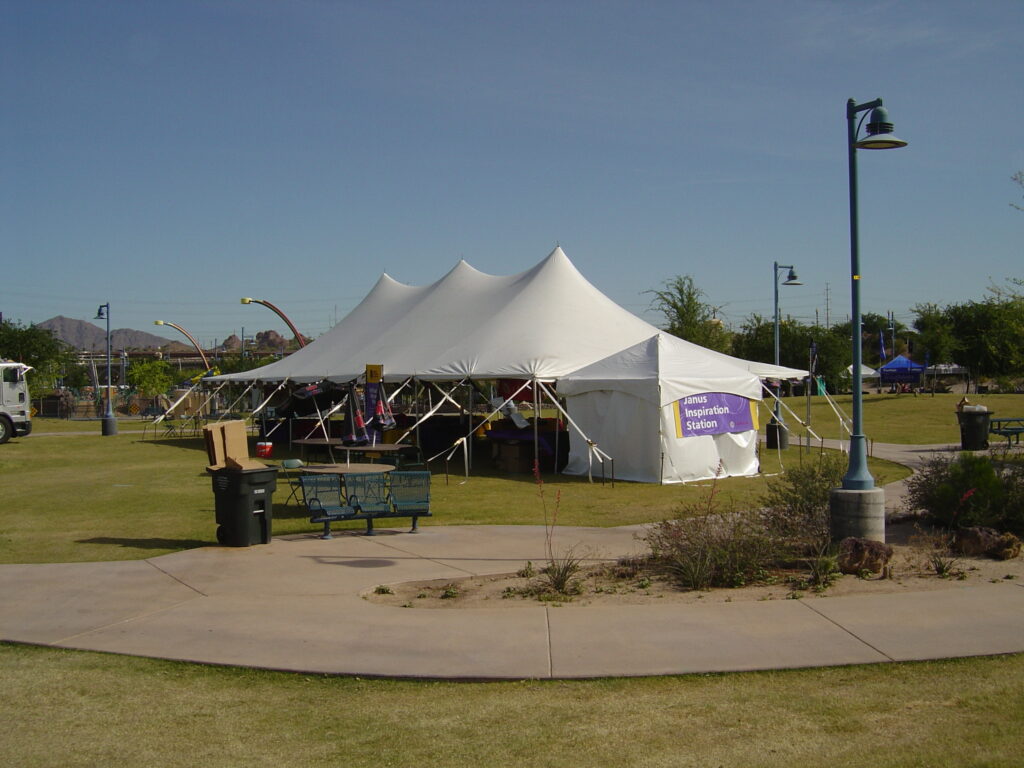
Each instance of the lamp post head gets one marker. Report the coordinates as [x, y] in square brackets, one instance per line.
[158, 322]
[247, 301]
[879, 130]
[791, 278]
[101, 313]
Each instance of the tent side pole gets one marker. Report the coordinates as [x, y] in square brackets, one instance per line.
[536, 427]
[592, 449]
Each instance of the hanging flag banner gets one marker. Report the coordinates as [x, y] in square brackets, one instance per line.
[714, 413]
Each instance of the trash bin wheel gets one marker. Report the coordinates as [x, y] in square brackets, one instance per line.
[221, 535]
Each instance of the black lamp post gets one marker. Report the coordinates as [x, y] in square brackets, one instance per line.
[776, 433]
[109, 420]
[858, 508]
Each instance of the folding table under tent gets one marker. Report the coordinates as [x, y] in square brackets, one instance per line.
[539, 325]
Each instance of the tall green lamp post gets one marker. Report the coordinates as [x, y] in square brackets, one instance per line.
[857, 508]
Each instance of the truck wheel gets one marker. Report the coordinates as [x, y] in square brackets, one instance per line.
[6, 429]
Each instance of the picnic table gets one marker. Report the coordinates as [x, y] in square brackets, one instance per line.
[1007, 427]
[337, 444]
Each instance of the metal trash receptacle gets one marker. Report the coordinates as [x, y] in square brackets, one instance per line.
[776, 435]
[244, 505]
[974, 426]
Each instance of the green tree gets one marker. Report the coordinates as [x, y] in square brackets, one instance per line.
[151, 377]
[987, 336]
[38, 347]
[688, 316]
[935, 335]
[756, 341]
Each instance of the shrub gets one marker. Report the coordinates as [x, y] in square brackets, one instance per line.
[726, 549]
[559, 575]
[797, 505]
[970, 490]
[936, 548]
[704, 547]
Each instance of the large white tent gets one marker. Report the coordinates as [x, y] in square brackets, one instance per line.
[634, 404]
[542, 324]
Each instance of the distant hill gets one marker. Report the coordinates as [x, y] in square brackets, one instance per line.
[82, 335]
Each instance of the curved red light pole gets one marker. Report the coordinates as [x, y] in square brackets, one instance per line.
[282, 315]
[206, 363]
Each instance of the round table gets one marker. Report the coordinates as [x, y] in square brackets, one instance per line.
[346, 469]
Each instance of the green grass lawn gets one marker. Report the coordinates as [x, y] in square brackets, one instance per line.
[916, 420]
[68, 709]
[84, 497]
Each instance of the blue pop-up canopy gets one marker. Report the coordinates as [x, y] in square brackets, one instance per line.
[901, 370]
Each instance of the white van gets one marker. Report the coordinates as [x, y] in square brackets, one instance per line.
[15, 416]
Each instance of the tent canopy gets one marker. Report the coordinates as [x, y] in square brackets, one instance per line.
[661, 370]
[901, 370]
[543, 323]
[629, 404]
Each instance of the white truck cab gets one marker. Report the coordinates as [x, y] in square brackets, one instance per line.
[15, 413]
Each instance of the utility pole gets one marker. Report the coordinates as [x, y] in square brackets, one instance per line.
[892, 332]
[828, 319]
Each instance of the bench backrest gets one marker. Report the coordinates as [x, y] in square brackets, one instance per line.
[321, 492]
[410, 491]
[367, 491]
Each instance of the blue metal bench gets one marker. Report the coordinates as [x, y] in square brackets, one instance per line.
[366, 496]
[410, 494]
[322, 496]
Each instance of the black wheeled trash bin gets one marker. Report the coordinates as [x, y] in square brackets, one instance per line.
[244, 504]
[973, 429]
[776, 435]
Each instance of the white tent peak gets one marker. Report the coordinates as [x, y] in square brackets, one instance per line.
[663, 369]
[545, 322]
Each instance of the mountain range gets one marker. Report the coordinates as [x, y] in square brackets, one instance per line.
[82, 335]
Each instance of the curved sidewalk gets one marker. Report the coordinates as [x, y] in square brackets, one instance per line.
[294, 605]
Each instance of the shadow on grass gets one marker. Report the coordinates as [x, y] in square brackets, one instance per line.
[148, 543]
[187, 443]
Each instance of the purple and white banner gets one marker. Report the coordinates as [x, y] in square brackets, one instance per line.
[713, 413]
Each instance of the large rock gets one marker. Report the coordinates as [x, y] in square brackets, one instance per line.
[987, 541]
[863, 555]
[1009, 547]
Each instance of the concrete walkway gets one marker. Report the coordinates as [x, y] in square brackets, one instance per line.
[295, 605]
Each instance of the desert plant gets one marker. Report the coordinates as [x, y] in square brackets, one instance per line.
[797, 505]
[824, 569]
[527, 571]
[722, 549]
[559, 575]
[383, 589]
[967, 490]
[936, 548]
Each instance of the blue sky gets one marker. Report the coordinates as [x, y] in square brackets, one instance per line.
[172, 157]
